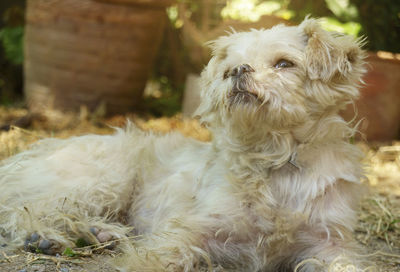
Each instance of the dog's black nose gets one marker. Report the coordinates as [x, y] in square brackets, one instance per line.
[241, 69]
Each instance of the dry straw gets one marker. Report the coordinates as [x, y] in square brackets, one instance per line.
[378, 228]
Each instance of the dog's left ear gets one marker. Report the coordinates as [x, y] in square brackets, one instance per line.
[330, 54]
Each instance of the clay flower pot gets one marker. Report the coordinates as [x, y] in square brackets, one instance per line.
[379, 104]
[89, 52]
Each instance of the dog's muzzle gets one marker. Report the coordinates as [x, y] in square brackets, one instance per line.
[242, 84]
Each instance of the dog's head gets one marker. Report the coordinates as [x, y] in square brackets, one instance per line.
[280, 77]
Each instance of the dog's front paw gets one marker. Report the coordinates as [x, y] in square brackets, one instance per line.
[35, 243]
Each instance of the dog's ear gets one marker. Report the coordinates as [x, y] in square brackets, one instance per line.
[219, 48]
[220, 45]
[330, 54]
[207, 108]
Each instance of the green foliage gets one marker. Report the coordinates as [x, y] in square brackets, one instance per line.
[338, 15]
[69, 252]
[165, 100]
[315, 8]
[168, 105]
[12, 42]
[333, 24]
[380, 22]
[342, 9]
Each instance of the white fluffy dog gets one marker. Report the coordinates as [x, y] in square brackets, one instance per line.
[278, 183]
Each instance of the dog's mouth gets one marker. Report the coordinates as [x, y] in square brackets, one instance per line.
[242, 92]
[242, 96]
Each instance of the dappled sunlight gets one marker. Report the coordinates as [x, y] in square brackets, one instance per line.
[252, 10]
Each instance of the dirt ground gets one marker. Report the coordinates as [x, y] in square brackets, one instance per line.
[378, 228]
[23, 262]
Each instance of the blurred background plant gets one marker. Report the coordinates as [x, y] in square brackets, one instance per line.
[11, 50]
[193, 22]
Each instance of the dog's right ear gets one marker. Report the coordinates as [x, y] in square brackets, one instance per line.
[329, 54]
[208, 102]
[219, 46]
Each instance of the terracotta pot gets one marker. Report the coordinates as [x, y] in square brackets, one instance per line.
[148, 3]
[90, 52]
[379, 103]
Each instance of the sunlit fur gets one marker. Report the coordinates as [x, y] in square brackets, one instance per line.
[278, 183]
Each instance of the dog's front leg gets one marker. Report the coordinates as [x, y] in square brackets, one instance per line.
[177, 249]
[319, 251]
[327, 237]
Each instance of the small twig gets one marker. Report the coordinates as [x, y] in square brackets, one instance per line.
[8, 258]
[384, 209]
[57, 260]
[105, 244]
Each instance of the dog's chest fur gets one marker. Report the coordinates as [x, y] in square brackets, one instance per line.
[193, 184]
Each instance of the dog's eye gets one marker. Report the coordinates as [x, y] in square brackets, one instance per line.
[282, 63]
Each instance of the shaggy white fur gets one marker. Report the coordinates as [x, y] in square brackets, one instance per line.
[278, 184]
